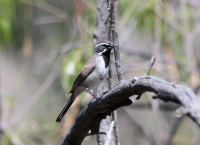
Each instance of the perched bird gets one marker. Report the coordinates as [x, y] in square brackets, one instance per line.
[91, 75]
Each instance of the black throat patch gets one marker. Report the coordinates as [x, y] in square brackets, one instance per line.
[106, 57]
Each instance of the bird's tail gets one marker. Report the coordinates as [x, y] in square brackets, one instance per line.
[66, 107]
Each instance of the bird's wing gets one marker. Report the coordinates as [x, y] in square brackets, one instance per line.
[86, 71]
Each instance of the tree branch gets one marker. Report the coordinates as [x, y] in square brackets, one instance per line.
[118, 96]
[150, 66]
[111, 80]
[112, 6]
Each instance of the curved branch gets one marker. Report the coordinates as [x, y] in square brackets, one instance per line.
[118, 97]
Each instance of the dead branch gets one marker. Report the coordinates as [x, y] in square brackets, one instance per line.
[150, 66]
[118, 96]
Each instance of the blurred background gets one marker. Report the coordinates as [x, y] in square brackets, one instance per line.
[45, 43]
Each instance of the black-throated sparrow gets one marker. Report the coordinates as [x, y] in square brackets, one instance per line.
[91, 75]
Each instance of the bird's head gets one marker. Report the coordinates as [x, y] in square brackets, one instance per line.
[103, 47]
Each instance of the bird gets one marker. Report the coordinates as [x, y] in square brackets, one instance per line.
[91, 75]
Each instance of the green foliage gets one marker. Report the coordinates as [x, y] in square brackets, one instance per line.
[145, 16]
[11, 23]
[6, 17]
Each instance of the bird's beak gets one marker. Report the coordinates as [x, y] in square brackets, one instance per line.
[111, 46]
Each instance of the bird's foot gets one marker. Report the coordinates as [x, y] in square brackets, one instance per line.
[87, 90]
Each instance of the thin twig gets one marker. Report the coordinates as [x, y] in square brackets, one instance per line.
[115, 127]
[110, 73]
[150, 66]
[114, 113]
[111, 79]
[113, 10]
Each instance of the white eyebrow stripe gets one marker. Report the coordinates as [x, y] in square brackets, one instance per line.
[101, 44]
[100, 53]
